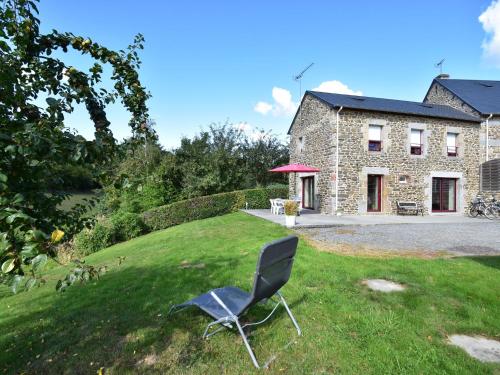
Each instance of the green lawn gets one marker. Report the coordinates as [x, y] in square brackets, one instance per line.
[120, 322]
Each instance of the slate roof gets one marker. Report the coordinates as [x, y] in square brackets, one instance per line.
[392, 106]
[483, 96]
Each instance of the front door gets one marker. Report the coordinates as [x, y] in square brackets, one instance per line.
[308, 192]
[444, 194]
[374, 193]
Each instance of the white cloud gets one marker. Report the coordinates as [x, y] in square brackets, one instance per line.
[336, 87]
[263, 107]
[283, 104]
[490, 20]
[252, 132]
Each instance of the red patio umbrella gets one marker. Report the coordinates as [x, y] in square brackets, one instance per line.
[294, 168]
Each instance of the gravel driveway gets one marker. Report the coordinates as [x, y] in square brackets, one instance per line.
[458, 239]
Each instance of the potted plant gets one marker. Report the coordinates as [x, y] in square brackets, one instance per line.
[290, 213]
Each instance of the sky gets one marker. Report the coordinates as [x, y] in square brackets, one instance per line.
[214, 61]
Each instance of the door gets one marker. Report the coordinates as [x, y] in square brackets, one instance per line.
[444, 194]
[308, 192]
[374, 193]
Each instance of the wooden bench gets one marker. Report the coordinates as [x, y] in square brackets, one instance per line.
[409, 208]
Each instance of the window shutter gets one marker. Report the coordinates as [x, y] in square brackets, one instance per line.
[451, 139]
[416, 138]
[375, 133]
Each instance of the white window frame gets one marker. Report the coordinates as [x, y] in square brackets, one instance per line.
[375, 135]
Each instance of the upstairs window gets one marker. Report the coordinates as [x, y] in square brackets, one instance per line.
[375, 138]
[451, 144]
[416, 146]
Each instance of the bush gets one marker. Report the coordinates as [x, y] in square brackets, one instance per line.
[126, 225]
[291, 208]
[209, 206]
[89, 241]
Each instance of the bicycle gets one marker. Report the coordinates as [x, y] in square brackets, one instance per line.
[479, 207]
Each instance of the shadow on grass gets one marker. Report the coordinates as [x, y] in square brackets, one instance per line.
[492, 261]
[110, 322]
[120, 321]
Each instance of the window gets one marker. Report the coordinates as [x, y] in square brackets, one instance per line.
[416, 142]
[403, 179]
[444, 194]
[375, 138]
[301, 144]
[374, 193]
[451, 144]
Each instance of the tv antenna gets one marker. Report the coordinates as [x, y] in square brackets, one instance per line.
[440, 66]
[298, 78]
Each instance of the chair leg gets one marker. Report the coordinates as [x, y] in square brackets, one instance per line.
[220, 321]
[299, 331]
[247, 345]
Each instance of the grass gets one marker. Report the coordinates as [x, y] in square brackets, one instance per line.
[120, 323]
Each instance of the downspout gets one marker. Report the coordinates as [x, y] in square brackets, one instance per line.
[337, 179]
[488, 137]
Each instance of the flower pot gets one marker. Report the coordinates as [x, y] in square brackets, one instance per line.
[290, 220]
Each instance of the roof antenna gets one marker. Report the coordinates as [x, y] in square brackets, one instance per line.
[298, 78]
[440, 66]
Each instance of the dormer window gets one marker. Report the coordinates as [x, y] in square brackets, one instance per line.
[375, 138]
[451, 144]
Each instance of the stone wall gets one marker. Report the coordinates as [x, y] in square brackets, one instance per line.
[317, 127]
[439, 95]
[395, 160]
[315, 123]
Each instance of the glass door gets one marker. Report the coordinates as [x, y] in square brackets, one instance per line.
[444, 194]
[308, 192]
[374, 193]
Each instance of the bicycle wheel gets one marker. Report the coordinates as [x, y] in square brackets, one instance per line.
[488, 213]
[495, 210]
[473, 212]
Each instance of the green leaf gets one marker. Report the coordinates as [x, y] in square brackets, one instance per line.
[30, 283]
[18, 198]
[14, 217]
[16, 281]
[4, 244]
[3, 178]
[51, 102]
[38, 261]
[8, 265]
[36, 235]
[29, 250]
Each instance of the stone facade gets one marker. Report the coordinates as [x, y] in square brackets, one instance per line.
[313, 140]
[312, 143]
[440, 95]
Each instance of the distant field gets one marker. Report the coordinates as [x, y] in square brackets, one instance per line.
[78, 197]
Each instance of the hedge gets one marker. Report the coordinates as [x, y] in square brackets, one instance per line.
[209, 206]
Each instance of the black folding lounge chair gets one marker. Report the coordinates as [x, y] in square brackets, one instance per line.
[226, 305]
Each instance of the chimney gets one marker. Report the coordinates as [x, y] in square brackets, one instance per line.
[443, 76]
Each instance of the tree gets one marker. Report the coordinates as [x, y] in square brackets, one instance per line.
[34, 140]
[263, 152]
[211, 162]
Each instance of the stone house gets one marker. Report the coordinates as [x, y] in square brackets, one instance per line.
[373, 152]
[478, 98]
